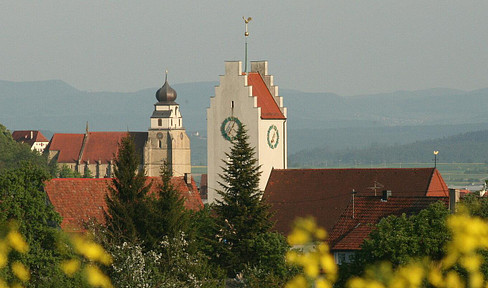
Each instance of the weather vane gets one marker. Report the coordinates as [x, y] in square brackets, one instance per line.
[246, 34]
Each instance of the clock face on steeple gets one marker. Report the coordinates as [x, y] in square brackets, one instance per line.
[229, 127]
[273, 137]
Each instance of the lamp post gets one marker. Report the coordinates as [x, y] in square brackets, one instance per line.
[435, 158]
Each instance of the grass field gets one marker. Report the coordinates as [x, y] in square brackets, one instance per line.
[458, 174]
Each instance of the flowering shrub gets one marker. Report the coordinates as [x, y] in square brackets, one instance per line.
[90, 255]
[459, 268]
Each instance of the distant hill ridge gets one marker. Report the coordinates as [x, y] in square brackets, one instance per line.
[465, 147]
[314, 119]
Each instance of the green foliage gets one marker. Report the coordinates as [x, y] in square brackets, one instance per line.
[23, 200]
[400, 239]
[241, 214]
[87, 173]
[166, 214]
[126, 201]
[13, 153]
[66, 172]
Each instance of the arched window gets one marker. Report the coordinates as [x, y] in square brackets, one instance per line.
[160, 144]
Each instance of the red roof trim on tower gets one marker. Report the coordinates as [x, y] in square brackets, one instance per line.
[269, 107]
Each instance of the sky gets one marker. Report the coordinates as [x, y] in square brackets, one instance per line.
[344, 47]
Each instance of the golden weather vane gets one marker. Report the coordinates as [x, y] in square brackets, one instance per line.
[246, 34]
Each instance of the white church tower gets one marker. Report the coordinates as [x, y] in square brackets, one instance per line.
[167, 138]
[248, 98]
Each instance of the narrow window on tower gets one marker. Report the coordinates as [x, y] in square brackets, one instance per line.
[179, 122]
[171, 122]
[232, 105]
[160, 122]
[160, 144]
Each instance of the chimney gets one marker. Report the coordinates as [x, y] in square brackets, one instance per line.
[386, 195]
[188, 178]
[32, 134]
[353, 193]
[453, 199]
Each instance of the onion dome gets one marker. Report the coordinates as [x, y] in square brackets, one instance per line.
[166, 93]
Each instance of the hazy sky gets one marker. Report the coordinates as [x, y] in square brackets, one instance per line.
[345, 47]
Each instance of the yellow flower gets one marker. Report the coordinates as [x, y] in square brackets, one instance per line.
[476, 280]
[17, 242]
[20, 271]
[322, 283]
[320, 233]
[96, 278]
[297, 282]
[70, 267]
[3, 284]
[91, 250]
[298, 237]
[3, 260]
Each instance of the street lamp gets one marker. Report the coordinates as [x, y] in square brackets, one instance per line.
[435, 158]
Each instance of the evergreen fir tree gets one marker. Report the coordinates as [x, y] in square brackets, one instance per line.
[127, 197]
[169, 216]
[242, 214]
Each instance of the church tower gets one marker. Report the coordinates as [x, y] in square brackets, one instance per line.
[248, 98]
[167, 138]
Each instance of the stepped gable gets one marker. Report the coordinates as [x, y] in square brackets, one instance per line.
[29, 136]
[349, 232]
[68, 145]
[81, 200]
[269, 107]
[325, 193]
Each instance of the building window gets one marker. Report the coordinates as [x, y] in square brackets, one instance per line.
[160, 122]
[160, 144]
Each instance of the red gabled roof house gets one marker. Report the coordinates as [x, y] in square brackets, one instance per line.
[326, 193]
[359, 219]
[33, 138]
[81, 200]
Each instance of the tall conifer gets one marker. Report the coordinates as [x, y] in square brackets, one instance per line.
[242, 214]
[127, 194]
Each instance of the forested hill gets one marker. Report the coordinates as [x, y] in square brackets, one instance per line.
[466, 147]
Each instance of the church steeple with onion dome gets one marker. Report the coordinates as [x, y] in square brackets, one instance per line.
[166, 94]
[167, 138]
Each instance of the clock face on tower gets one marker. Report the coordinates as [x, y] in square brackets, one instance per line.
[229, 127]
[273, 136]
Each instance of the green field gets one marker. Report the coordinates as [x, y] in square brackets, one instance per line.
[459, 174]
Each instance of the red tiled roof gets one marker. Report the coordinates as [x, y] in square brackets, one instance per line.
[325, 193]
[102, 146]
[24, 136]
[349, 233]
[98, 146]
[269, 108]
[80, 200]
[68, 145]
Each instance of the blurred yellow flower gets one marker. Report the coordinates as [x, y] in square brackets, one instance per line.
[20, 271]
[17, 242]
[96, 278]
[70, 267]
